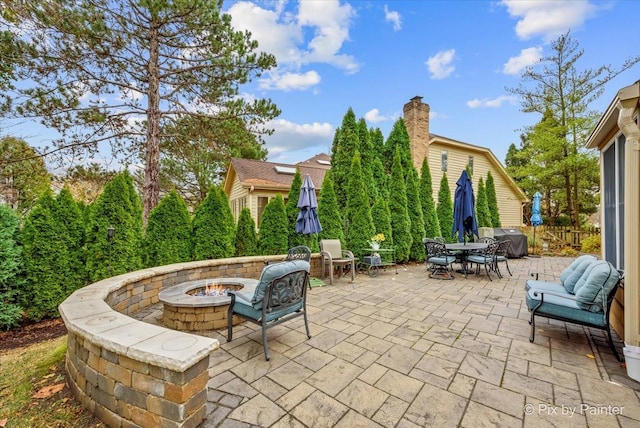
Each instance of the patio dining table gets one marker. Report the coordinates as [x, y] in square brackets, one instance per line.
[465, 248]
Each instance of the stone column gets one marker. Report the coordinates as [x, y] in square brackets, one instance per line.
[628, 107]
[416, 120]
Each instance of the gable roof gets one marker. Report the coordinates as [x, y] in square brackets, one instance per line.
[265, 175]
[434, 138]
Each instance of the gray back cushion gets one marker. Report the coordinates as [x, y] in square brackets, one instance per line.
[595, 284]
[273, 271]
[574, 272]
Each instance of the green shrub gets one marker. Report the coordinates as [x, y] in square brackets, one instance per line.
[10, 251]
[213, 227]
[329, 211]
[246, 238]
[445, 209]
[569, 252]
[361, 227]
[168, 232]
[274, 231]
[400, 221]
[592, 244]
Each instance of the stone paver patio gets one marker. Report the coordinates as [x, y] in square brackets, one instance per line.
[409, 351]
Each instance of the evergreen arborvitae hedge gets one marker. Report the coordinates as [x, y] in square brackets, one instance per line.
[168, 233]
[367, 156]
[274, 228]
[492, 201]
[329, 212]
[10, 280]
[381, 178]
[398, 139]
[482, 209]
[414, 208]
[361, 227]
[431, 223]
[445, 209]
[382, 221]
[46, 261]
[119, 207]
[400, 222]
[213, 227]
[246, 237]
[72, 230]
[345, 144]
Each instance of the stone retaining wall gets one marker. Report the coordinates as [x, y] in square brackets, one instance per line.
[130, 373]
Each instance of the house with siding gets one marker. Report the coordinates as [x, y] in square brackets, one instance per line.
[452, 157]
[617, 137]
[253, 183]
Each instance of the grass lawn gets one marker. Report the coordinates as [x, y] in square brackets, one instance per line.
[33, 392]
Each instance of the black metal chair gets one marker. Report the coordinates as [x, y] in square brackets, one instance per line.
[439, 261]
[487, 258]
[281, 295]
[501, 256]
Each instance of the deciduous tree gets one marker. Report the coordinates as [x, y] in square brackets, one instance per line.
[100, 72]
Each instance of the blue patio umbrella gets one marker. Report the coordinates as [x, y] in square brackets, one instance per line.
[464, 213]
[307, 222]
[536, 218]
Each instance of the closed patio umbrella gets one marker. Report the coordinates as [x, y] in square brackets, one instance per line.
[307, 222]
[536, 218]
[464, 213]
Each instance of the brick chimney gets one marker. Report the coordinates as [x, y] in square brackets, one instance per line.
[416, 119]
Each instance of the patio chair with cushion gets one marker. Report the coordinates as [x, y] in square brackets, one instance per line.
[438, 259]
[281, 295]
[501, 256]
[335, 258]
[487, 259]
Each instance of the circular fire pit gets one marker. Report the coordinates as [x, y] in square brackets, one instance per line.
[201, 304]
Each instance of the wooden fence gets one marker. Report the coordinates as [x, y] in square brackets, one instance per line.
[560, 236]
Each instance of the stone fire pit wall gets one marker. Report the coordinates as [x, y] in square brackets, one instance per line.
[130, 373]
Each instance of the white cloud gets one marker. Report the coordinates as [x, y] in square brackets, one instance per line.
[290, 81]
[275, 34]
[373, 116]
[492, 103]
[527, 57]
[290, 137]
[282, 33]
[548, 18]
[393, 17]
[440, 65]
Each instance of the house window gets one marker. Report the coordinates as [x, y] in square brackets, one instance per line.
[445, 160]
[613, 199]
[470, 164]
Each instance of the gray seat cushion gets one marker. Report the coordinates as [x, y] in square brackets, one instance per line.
[544, 285]
[575, 270]
[558, 307]
[595, 285]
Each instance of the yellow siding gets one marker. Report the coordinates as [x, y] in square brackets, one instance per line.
[509, 205]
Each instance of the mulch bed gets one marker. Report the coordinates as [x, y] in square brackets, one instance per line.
[32, 333]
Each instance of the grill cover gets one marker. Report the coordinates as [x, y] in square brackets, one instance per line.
[519, 245]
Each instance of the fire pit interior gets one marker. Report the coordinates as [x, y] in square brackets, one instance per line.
[201, 304]
[214, 289]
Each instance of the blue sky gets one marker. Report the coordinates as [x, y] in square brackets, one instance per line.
[373, 56]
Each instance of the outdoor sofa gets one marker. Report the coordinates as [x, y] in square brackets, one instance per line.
[583, 296]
